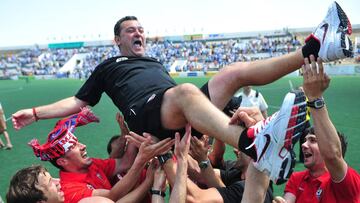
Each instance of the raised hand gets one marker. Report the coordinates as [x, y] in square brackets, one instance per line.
[159, 178]
[182, 146]
[199, 148]
[122, 124]
[316, 81]
[247, 115]
[147, 146]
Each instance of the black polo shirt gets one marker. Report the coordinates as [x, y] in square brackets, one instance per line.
[128, 81]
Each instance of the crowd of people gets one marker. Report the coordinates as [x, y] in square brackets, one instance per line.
[200, 55]
[157, 112]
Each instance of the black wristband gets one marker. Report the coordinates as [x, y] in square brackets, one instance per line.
[164, 157]
[157, 192]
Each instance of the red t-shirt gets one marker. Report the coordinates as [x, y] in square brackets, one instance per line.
[322, 189]
[77, 186]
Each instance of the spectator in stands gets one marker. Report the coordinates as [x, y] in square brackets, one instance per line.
[3, 130]
[328, 178]
[34, 184]
[152, 102]
[81, 176]
[250, 97]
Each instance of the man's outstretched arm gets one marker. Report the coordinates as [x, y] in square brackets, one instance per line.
[315, 83]
[62, 108]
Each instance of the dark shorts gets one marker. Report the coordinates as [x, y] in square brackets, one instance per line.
[230, 174]
[234, 193]
[148, 117]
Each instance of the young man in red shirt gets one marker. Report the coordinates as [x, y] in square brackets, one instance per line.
[328, 177]
[34, 184]
[82, 176]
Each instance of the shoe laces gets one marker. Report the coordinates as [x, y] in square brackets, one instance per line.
[259, 126]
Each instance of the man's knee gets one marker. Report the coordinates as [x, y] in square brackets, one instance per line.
[186, 89]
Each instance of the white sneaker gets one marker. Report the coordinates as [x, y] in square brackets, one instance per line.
[275, 136]
[333, 35]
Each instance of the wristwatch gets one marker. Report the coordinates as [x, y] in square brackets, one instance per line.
[317, 103]
[204, 164]
[157, 192]
[164, 157]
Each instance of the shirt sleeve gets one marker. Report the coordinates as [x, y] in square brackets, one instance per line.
[262, 103]
[350, 186]
[74, 192]
[107, 165]
[92, 89]
[292, 185]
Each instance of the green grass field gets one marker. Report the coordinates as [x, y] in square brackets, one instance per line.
[342, 99]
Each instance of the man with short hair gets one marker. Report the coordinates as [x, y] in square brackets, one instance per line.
[328, 178]
[34, 184]
[82, 176]
[151, 101]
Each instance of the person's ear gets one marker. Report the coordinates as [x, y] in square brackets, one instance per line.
[61, 161]
[117, 40]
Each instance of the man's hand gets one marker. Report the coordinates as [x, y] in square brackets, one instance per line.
[247, 115]
[22, 118]
[316, 81]
[199, 148]
[150, 172]
[147, 147]
[159, 178]
[122, 124]
[278, 199]
[137, 139]
[182, 147]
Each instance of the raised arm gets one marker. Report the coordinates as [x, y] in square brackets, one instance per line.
[147, 150]
[199, 151]
[139, 193]
[178, 193]
[217, 153]
[62, 108]
[315, 83]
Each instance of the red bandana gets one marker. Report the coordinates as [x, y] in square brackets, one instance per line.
[61, 138]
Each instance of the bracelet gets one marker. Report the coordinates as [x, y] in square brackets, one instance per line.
[157, 192]
[35, 115]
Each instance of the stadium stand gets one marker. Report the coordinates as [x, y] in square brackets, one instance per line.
[178, 54]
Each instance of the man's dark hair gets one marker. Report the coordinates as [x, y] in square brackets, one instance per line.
[54, 163]
[22, 186]
[342, 137]
[109, 149]
[117, 27]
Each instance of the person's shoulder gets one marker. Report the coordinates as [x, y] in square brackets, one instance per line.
[106, 63]
[353, 172]
[300, 175]
[255, 93]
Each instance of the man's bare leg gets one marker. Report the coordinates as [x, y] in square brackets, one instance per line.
[256, 184]
[225, 83]
[186, 103]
